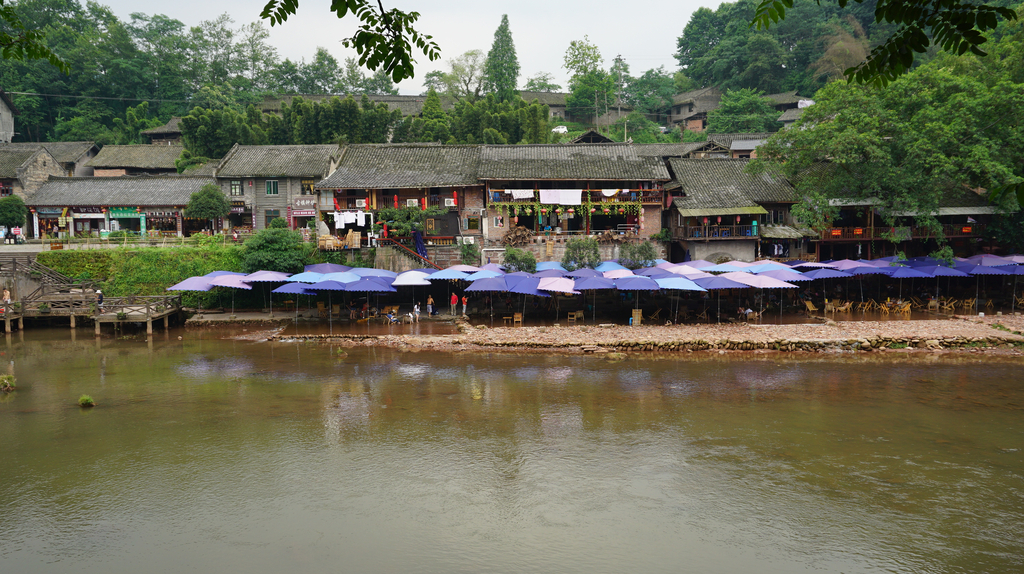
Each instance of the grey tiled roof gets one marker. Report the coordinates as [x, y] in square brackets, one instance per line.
[546, 98]
[409, 105]
[791, 115]
[576, 162]
[667, 149]
[145, 156]
[725, 140]
[117, 191]
[64, 152]
[702, 94]
[715, 181]
[12, 159]
[391, 166]
[743, 145]
[171, 127]
[784, 98]
[277, 161]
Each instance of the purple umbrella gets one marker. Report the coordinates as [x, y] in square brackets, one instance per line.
[989, 260]
[294, 289]
[369, 285]
[527, 286]
[655, 273]
[493, 267]
[327, 268]
[595, 283]
[698, 263]
[201, 283]
[978, 271]
[550, 273]
[233, 281]
[784, 275]
[844, 264]
[368, 272]
[716, 283]
[488, 284]
[212, 274]
[636, 283]
[584, 272]
[267, 277]
[824, 273]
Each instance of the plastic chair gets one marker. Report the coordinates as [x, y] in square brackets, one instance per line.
[655, 316]
[321, 310]
[811, 308]
[571, 319]
[517, 319]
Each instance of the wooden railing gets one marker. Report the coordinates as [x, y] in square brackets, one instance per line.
[48, 291]
[715, 232]
[900, 233]
[141, 306]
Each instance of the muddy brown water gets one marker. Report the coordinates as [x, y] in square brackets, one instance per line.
[217, 454]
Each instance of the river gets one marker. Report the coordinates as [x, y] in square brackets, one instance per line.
[216, 455]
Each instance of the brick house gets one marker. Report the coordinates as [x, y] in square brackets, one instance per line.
[72, 156]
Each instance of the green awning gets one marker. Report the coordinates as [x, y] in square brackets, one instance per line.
[713, 211]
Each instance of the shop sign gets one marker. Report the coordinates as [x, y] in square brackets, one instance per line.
[87, 210]
[238, 203]
[48, 210]
[237, 209]
[306, 202]
[304, 213]
[124, 212]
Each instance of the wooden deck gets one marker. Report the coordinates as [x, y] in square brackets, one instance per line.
[77, 301]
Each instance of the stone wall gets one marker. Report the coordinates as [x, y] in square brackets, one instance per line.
[737, 249]
[552, 248]
[35, 173]
[100, 172]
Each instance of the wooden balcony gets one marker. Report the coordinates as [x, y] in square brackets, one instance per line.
[900, 233]
[644, 196]
[714, 232]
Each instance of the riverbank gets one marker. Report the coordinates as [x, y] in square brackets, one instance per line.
[963, 334]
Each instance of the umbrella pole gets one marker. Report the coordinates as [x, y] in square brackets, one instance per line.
[719, 314]
[330, 314]
[977, 283]
[271, 303]
[1013, 297]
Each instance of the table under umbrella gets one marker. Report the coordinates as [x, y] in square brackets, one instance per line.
[234, 282]
[717, 283]
[595, 284]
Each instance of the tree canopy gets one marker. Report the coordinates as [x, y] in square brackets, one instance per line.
[502, 66]
[744, 111]
[274, 249]
[12, 211]
[949, 128]
[208, 203]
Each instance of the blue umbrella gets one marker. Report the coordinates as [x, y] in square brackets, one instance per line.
[584, 272]
[327, 268]
[594, 283]
[341, 277]
[527, 286]
[636, 283]
[448, 274]
[785, 275]
[678, 284]
[655, 272]
[549, 273]
[608, 266]
[978, 270]
[483, 274]
[294, 289]
[726, 268]
[327, 286]
[769, 267]
[545, 265]
[488, 284]
[369, 272]
[826, 273]
[717, 283]
[307, 277]
[369, 285]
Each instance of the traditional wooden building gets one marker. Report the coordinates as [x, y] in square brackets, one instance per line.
[167, 134]
[72, 156]
[265, 182]
[95, 206]
[145, 159]
[372, 176]
[572, 189]
[721, 211]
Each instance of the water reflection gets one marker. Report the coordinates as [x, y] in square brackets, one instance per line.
[279, 456]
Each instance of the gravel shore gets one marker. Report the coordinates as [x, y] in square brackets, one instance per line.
[972, 334]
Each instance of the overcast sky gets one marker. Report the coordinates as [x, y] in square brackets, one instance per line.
[644, 34]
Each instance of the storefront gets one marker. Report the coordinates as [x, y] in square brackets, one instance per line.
[241, 218]
[127, 219]
[165, 222]
[302, 211]
[50, 222]
[88, 221]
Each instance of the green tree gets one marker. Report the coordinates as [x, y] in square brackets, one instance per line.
[541, 82]
[936, 131]
[502, 65]
[651, 93]
[208, 203]
[744, 111]
[637, 255]
[956, 26]
[274, 249]
[582, 58]
[581, 252]
[136, 119]
[20, 42]
[519, 260]
[385, 38]
[464, 79]
[12, 211]
[592, 93]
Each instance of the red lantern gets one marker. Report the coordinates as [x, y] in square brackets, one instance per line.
[384, 230]
[396, 201]
[705, 221]
[719, 219]
[423, 203]
[455, 197]
[737, 220]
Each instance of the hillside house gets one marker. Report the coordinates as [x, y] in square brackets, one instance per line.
[143, 159]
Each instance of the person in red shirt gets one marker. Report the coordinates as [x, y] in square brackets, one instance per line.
[464, 301]
[455, 303]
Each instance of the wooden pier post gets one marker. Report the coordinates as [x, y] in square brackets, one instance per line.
[72, 320]
[167, 322]
[97, 326]
[149, 326]
[7, 324]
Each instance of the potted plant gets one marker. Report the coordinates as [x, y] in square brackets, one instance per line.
[43, 308]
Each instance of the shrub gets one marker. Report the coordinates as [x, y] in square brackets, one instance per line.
[519, 260]
[470, 253]
[86, 401]
[7, 383]
[637, 255]
[581, 252]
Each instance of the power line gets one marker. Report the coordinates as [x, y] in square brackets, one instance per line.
[97, 97]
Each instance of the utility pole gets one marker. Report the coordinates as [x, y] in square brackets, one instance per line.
[618, 96]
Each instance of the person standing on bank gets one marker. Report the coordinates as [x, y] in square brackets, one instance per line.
[416, 312]
[464, 301]
[99, 298]
[430, 305]
[455, 304]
